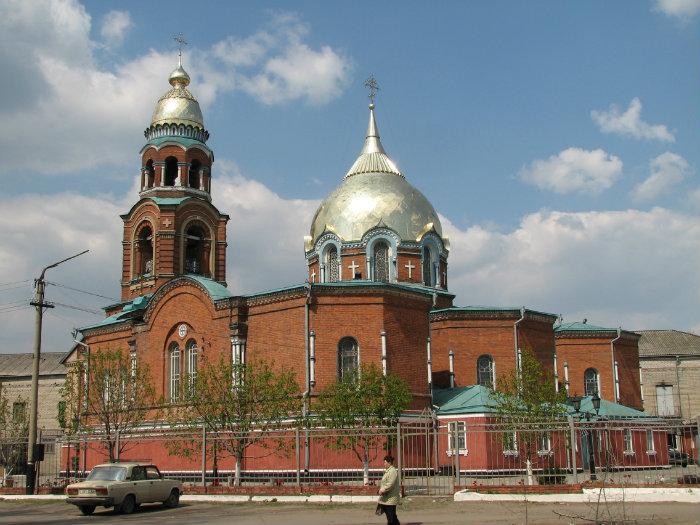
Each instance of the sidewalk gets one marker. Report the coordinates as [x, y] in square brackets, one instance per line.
[612, 494]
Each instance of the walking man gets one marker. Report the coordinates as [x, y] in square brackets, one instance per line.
[389, 491]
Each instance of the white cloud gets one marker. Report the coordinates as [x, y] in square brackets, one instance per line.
[630, 123]
[667, 170]
[65, 112]
[574, 170]
[682, 9]
[115, 26]
[631, 268]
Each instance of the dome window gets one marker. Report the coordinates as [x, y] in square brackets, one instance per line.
[331, 265]
[170, 171]
[380, 262]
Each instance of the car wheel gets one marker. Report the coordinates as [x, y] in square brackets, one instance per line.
[87, 509]
[173, 499]
[128, 505]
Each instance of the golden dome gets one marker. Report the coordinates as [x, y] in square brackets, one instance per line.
[375, 193]
[178, 105]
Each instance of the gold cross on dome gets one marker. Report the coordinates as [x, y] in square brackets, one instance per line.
[371, 84]
[181, 42]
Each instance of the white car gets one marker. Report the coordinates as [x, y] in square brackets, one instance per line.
[123, 486]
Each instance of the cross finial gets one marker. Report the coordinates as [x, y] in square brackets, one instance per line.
[371, 84]
[181, 42]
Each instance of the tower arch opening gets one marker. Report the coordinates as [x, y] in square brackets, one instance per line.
[170, 171]
[193, 176]
[150, 174]
[144, 252]
[196, 260]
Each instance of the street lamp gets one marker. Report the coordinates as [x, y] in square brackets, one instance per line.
[576, 404]
[39, 303]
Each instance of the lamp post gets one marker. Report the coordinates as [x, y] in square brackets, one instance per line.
[39, 303]
[576, 403]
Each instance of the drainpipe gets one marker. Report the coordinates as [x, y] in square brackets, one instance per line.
[566, 377]
[452, 369]
[518, 364]
[382, 336]
[312, 360]
[678, 382]
[430, 365]
[556, 373]
[641, 386]
[307, 392]
[614, 367]
[617, 382]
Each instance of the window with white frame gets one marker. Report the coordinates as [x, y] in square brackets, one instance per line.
[650, 441]
[485, 371]
[544, 443]
[510, 442]
[174, 372]
[627, 436]
[458, 429]
[590, 382]
[191, 352]
[348, 358]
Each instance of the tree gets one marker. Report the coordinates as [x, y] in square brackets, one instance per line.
[240, 403]
[362, 406]
[120, 397]
[527, 404]
[14, 429]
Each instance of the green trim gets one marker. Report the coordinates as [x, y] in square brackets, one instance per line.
[496, 309]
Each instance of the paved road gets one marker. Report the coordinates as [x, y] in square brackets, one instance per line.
[416, 512]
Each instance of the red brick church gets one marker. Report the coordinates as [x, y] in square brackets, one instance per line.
[376, 292]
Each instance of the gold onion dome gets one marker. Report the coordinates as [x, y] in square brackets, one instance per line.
[178, 105]
[375, 193]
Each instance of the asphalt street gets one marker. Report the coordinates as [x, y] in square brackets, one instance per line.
[416, 512]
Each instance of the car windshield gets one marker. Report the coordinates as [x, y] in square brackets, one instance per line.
[107, 474]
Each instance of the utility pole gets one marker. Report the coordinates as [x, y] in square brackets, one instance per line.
[39, 303]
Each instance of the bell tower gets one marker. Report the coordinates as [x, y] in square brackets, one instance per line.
[174, 229]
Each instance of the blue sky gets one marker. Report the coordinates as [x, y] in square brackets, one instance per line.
[557, 140]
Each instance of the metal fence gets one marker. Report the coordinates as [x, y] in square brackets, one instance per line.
[434, 457]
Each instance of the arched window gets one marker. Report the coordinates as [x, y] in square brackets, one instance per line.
[193, 175]
[150, 174]
[170, 171]
[332, 265]
[428, 271]
[348, 358]
[485, 371]
[191, 353]
[194, 250]
[381, 261]
[145, 252]
[590, 382]
[174, 372]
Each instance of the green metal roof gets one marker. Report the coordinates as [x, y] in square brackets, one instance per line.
[480, 308]
[582, 327]
[477, 399]
[359, 283]
[125, 314]
[474, 399]
[215, 289]
[187, 142]
[168, 201]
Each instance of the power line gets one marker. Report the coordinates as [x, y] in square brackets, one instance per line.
[82, 291]
[11, 288]
[13, 309]
[15, 282]
[95, 312]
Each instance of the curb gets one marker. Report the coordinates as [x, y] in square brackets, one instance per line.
[637, 495]
[232, 498]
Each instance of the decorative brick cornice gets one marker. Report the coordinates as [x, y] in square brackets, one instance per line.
[450, 314]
